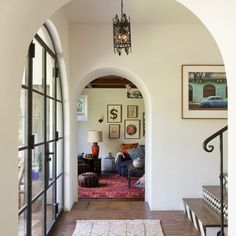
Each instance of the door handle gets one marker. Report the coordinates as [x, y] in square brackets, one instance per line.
[49, 153]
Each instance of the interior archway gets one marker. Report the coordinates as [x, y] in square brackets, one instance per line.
[120, 72]
[109, 104]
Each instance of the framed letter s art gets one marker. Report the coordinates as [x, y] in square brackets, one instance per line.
[114, 113]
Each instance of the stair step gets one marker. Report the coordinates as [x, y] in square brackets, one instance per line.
[211, 194]
[215, 191]
[205, 219]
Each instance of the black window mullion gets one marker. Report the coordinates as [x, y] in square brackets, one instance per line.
[56, 140]
[27, 208]
[30, 119]
[46, 145]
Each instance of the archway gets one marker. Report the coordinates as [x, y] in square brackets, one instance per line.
[107, 105]
[100, 72]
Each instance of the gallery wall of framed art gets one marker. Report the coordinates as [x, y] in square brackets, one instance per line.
[108, 114]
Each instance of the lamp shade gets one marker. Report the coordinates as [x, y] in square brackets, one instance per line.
[94, 136]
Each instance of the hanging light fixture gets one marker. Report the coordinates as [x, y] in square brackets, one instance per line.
[121, 33]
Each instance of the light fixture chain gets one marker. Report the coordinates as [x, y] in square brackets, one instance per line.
[121, 8]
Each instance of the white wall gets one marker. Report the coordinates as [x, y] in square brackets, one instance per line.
[16, 19]
[19, 21]
[98, 99]
[222, 28]
[179, 166]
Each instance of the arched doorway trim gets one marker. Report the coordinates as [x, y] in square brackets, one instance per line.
[99, 72]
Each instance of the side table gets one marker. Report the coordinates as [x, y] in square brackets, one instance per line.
[94, 165]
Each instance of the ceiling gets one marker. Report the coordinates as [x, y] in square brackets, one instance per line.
[140, 11]
[110, 81]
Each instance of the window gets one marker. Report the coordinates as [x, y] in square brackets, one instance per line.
[41, 139]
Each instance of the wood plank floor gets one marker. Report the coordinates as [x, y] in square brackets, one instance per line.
[174, 223]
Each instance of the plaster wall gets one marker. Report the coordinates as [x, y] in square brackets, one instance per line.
[179, 167]
[222, 29]
[19, 21]
[16, 19]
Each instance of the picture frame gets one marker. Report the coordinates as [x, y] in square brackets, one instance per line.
[143, 124]
[204, 91]
[114, 113]
[132, 111]
[133, 93]
[132, 129]
[114, 131]
[82, 108]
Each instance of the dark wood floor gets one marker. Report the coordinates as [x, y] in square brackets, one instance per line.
[174, 223]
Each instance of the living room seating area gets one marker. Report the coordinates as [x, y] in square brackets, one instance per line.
[125, 158]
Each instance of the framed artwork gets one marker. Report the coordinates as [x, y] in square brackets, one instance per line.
[132, 111]
[82, 108]
[204, 92]
[114, 113]
[132, 129]
[133, 93]
[114, 131]
[143, 123]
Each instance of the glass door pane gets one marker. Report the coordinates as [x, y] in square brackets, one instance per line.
[38, 117]
[38, 158]
[60, 194]
[59, 157]
[50, 119]
[22, 178]
[22, 224]
[50, 162]
[23, 119]
[38, 75]
[59, 119]
[50, 76]
[38, 217]
[59, 97]
[50, 206]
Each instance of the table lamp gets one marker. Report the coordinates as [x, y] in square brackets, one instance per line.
[95, 137]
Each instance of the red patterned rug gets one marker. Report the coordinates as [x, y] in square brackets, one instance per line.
[112, 186]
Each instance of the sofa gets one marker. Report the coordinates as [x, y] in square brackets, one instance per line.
[125, 157]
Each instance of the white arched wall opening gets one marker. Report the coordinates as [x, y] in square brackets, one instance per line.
[16, 19]
[225, 36]
[122, 72]
[68, 196]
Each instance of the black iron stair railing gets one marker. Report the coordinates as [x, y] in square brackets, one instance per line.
[209, 148]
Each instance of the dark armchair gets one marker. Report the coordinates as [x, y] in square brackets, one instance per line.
[124, 160]
[122, 164]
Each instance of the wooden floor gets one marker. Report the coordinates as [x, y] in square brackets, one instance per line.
[174, 223]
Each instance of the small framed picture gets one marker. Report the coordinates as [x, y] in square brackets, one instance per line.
[114, 113]
[204, 92]
[132, 129]
[114, 131]
[132, 111]
[82, 108]
[143, 123]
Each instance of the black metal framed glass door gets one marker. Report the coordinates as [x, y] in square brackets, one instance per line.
[41, 139]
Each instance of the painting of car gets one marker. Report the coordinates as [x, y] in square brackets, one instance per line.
[214, 101]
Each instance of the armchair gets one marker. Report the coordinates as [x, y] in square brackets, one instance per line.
[125, 158]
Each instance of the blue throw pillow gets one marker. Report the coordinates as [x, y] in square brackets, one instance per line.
[136, 152]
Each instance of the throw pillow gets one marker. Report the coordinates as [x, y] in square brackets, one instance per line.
[124, 149]
[125, 146]
[134, 153]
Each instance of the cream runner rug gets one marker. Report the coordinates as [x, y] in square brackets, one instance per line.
[118, 228]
